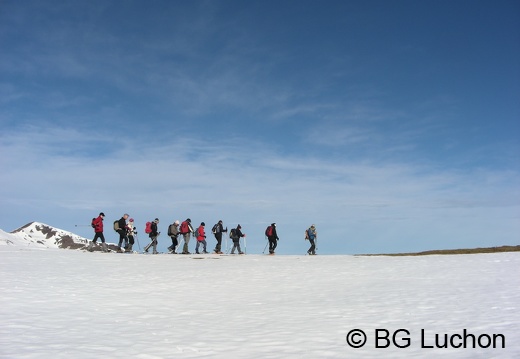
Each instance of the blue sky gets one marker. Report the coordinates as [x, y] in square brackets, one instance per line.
[391, 125]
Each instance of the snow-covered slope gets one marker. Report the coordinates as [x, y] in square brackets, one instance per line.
[257, 306]
[40, 235]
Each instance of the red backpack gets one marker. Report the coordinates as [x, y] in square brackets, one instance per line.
[184, 227]
[148, 228]
[269, 231]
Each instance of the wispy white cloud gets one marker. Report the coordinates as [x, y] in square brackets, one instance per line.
[248, 184]
[196, 113]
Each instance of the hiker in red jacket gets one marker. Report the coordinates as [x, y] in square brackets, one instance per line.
[97, 223]
[201, 238]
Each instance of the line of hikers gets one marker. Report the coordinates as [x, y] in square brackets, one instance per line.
[128, 234]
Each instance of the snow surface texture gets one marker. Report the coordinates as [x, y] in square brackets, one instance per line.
[74, 304]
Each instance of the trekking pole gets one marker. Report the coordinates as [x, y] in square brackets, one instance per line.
[82, 225]
[151, 243]
[228, 250]
[179, 245]
[137, 240]
[266, 243]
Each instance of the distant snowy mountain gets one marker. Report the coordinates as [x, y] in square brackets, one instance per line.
[40, 235]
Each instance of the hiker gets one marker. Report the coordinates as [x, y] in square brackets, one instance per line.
[153, 236]
[131, 233]
[173, 232]
[311, 235]
[122, 229]
[97, 223]
[272, 237]
[217, 232]
[235, 235]
[186, 231]
[201, 238]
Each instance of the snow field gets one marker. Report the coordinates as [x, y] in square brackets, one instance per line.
[64, 303]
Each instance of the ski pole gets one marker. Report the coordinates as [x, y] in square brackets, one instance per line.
[137, 239]
[228, 250]
[180, 244]
[82, 225]
[245, 245]
[266, 243]
[150, 244]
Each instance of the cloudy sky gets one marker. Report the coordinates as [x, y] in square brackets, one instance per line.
[392, 125]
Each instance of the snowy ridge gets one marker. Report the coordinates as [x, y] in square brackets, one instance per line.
[40, 235]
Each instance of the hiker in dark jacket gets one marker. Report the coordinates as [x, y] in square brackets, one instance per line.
[217, 232]
[97, 223]
[311, 235]
[235, 236]
[273, 239]
[153, 236]
[123, 231]
[173, 232]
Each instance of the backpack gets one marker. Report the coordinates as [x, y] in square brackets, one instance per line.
[232, 234]
[214, 229]
[170, 229]
[116, 225]
[306, 234]
[148, 227]
[92, 223]
[184, 227]
[269, 231]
